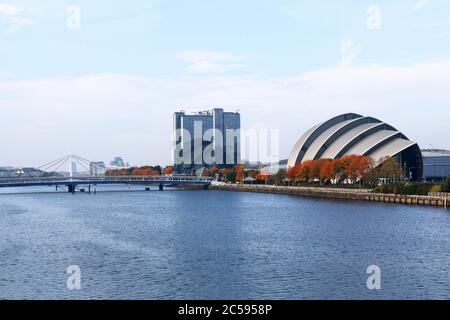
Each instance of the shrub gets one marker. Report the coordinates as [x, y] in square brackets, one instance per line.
[420, 189]
[436, 188]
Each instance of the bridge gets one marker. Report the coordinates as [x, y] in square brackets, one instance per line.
[51, 178]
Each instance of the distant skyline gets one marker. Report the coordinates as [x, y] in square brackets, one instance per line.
[106, 82]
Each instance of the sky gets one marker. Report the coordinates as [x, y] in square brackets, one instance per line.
[101, 79]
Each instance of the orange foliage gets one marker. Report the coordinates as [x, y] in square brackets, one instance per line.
[239, 170]
[145, 171]
[262, 177]
[252, 174]
[168, 170]
[211, 172]
[225, 171]
[352, 167]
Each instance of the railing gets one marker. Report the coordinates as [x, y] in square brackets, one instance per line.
[439, 194]
[93, 180]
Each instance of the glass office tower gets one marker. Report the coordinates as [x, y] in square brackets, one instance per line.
[214, 133]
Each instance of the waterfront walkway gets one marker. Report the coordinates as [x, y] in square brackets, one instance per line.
[335, 193]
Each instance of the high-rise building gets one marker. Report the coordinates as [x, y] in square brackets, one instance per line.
[206, 138]
[97, 169]
[117, 162]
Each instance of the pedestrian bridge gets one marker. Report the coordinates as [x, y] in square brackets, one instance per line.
[47, 175]
[72, 183]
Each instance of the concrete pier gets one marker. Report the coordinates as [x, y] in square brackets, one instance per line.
[347, 194]
[71, 188]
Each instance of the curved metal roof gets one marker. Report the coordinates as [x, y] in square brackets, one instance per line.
[336, 148]
[349, 134]
[312, 134]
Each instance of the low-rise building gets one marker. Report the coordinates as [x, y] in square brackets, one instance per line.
[436, 165]
[7, 172]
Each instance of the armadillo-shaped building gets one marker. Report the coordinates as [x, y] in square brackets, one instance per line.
[351, 134]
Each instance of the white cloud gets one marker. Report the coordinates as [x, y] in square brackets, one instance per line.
[420, 4]
[16, 17]
[203, 61]
[6, 75]
[102, 115]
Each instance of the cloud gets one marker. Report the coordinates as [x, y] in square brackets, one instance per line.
[16, 17]
[420, 4]
[6, 75]
[102, 115]
[203, 61]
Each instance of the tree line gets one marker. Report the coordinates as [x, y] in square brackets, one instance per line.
[140, 171]
[352, 169]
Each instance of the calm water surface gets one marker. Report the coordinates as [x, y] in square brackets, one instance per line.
[219, 245]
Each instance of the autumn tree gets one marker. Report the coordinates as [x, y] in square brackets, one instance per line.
[358, 167]
[326, 172]
[145, 171]
[261, 177]
[168, 170]
[305, 172]
[352, 168]
[293, 172]
[239, 171]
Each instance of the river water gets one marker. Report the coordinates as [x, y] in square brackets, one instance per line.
[219, 245]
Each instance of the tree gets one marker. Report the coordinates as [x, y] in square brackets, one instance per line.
[145, 171]
[261, 177]
[168, 170]
[231, 176]
[158, 169]
[280, 176]
[446, 187]
[338, 170]
[389, 168]
[352, 168]
[316, 169]
[239, 171]
[306, 171]
[358, 167]
[326, 173]
[228, 174]
[293, 172]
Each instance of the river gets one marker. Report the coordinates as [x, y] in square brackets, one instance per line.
[219, 245]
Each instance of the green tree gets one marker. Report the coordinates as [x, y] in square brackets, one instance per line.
[446, 186]
[390, 169]
[231, 176]
[280, 176]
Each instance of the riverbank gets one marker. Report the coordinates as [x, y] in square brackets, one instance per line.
[345, 194]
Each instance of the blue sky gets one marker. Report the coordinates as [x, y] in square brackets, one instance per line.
[110, 87]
